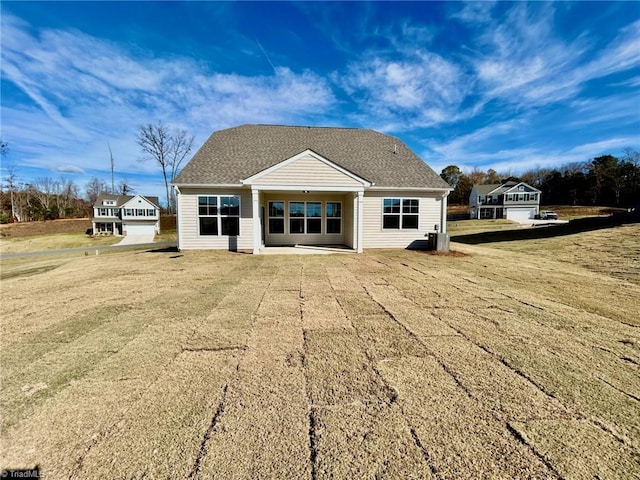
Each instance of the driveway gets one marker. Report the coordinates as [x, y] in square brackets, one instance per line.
[137, 239]
[534, 222]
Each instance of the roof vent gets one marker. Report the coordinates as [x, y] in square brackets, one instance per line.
[395, 148]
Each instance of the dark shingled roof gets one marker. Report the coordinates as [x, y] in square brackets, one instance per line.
[234, 154]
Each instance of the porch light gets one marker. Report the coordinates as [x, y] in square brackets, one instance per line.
[305, 191]
[435, 227]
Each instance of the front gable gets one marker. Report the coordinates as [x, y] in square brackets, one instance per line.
[307, 170]
[138, 201]
[522, 188]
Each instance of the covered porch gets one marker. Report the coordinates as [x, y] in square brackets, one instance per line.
[307, 200]
[314, 220]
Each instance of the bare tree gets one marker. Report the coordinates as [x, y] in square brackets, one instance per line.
[11, 182]
[168, 148]
[476, 176]
[125, 187]
[67, 193]
[94, 188]
[45, 191]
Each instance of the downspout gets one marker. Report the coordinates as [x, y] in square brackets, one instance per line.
[177, 189]
[443, 212]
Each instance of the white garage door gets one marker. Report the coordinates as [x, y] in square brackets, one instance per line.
[521, 214]
[140, 230]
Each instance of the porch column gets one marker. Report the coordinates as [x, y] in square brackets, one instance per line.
[255, 201]
[360, 222]
[443, 213]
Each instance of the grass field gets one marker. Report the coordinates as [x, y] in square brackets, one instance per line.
[60, 241]
[516, 359]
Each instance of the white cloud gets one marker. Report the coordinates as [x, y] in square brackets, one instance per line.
[422, 89]
[475, 12]
[69, 169]
[520, 60]
[87, 91]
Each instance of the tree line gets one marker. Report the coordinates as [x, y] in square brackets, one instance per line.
[49, 199]
[604, 181]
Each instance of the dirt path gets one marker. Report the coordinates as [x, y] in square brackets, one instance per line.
[390, 364]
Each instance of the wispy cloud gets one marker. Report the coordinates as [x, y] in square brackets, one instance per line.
[69, 169]
[89, 91]
[420, 90]
[475, 12]
[493, 84]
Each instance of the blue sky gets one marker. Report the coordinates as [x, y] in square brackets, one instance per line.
[508, 86]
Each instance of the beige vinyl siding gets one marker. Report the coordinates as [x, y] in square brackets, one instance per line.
[305, 239]
[375, 237]
[189, 237]
[307, 171]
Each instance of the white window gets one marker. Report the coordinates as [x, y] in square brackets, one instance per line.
[219, 215]
[400, 213]
[151, 212]
[276, 217]
[305, 217]
[333, 214]
[102, 212]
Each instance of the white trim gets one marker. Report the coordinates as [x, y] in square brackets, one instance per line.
[411, 189]
[219, 216]
[517, 185]
[304, 218]
[178, 197]
[443, 213]
[250, 180]
[360, 222]
[269, 217]
[142, 197]
[400, 214]
[310, 188]
[326, 218]
[257, 237]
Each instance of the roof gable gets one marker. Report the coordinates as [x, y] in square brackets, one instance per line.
[306, 169]
[521, 187]
[230, 156]
[139, 201]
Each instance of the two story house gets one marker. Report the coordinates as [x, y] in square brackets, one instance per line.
[126, 215]
[512, 200]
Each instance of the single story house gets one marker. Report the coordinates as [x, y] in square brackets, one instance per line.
[512, 200]
[126, 215]
[270, 185]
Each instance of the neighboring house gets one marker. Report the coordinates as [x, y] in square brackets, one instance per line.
[267, 185]
[126, 215]
[511, 200]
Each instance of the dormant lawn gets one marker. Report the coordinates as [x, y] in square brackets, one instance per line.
[498, 362]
